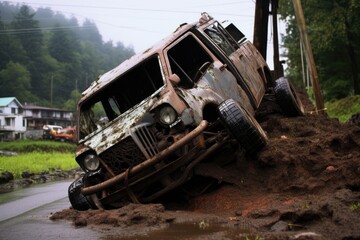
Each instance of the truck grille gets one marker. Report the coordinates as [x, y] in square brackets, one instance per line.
[131, 151]
[145, 139]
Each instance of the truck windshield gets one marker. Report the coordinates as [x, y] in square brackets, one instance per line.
[123, 93]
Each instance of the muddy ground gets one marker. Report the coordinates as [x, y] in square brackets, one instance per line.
[304, 185]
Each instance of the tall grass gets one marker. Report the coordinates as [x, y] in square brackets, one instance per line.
[344, 108]
[37, 157]
[22, 146]
[37, 162]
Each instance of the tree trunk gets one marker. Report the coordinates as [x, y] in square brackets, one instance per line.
[353, 60]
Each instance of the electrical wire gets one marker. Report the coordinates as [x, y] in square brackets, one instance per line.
[29, 30]
[125, 8]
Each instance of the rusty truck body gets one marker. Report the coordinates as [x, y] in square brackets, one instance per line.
[144, 126]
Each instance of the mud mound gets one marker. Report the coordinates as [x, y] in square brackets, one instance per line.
[307, 180]
[304, 185]
[310, 154]
[132, 214]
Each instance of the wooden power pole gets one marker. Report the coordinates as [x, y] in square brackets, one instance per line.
[261, 32]
[261, 26]
[278, 69]
[309, 55]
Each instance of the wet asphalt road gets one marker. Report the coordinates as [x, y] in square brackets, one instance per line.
[24, 214]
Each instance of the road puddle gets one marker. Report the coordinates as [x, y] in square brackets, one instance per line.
[198, 230]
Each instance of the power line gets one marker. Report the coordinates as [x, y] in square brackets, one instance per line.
[220, 4]
[33, 30]
[126, 8]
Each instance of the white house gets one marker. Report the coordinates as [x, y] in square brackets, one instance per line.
[12, 124]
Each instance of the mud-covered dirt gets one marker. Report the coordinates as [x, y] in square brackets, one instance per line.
[304, 185]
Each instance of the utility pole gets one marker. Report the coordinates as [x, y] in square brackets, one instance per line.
[278, 69]
[51, 90]
[261, 26]
[309, 55]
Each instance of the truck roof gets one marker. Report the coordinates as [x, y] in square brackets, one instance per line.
[109, 76]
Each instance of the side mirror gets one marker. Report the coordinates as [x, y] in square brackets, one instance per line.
[174, 79]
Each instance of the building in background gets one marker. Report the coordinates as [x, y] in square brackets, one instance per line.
[36, 117]
[12, 124]
[19, 121]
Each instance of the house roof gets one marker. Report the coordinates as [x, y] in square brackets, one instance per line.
[7, 100]
[35, 107]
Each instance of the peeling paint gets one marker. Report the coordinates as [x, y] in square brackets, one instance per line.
[132, 135]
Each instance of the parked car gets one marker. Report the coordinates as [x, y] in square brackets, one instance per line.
[169, 109]
[65, 135]
[49, 131]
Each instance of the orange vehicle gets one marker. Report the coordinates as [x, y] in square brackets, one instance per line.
[49, 131]
[65, 135]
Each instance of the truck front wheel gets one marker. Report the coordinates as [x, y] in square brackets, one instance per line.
[78, 200]
[242, 126]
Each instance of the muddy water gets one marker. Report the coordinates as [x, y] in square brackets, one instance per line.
[193, 230]
[183, 231]
[24, 214]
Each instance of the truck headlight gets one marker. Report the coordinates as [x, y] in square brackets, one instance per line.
[167, 115]
[91, 162]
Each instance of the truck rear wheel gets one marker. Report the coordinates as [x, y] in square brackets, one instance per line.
[242, 126]
[287, 98]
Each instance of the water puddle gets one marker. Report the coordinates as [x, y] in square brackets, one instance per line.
[199, 230]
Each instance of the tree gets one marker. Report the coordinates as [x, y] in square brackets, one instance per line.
[31, 39]
[10, 47]
[44, 56]
[90, 32]
[60, 46]
[71, 103]
[28, 32]
[16, 78]
[334, 29]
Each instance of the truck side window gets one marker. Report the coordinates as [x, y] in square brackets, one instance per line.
[186, 58]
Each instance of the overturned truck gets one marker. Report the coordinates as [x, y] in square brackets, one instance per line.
[144, 126]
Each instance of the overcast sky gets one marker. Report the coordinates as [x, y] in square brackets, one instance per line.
[141, 23]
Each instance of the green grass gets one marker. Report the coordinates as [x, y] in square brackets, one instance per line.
[355, 207]
[344, 108]
[37, 157]
[37, 162]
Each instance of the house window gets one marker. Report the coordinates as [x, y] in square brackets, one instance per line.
[9, 122]
[13, 110]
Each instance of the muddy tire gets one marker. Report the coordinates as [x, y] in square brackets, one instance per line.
[77, 199]
[242, 126]
[287, 98]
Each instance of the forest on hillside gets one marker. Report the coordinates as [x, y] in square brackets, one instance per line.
[48, 59]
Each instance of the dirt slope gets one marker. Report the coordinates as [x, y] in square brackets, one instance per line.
[304, 185]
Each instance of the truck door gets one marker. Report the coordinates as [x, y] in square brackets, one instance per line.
[242, 57]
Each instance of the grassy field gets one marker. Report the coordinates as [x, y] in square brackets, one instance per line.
[26, 146]
[37, 156]
[344, 108]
